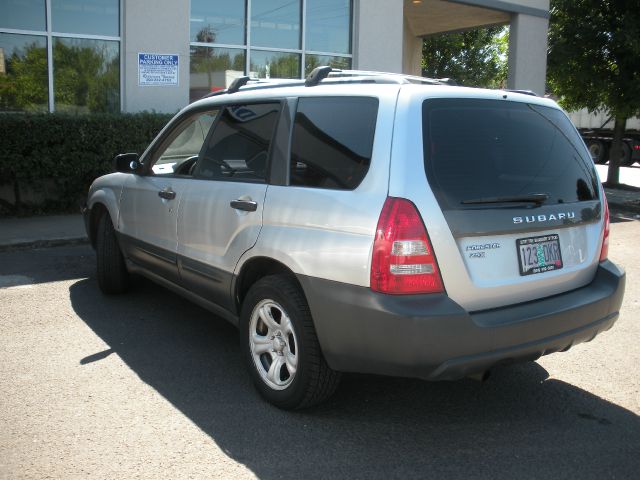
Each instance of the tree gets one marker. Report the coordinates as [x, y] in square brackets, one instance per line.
[594, 62]
[476, 58]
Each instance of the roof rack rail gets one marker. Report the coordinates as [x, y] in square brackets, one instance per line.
[237, 83]
[332, 75]
[524, 92]
[317, 75]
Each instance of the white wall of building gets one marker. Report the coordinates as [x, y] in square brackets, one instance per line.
[528, 53]
[160, 27]
[378, 35]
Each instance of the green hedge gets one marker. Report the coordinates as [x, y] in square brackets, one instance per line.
[60, 155]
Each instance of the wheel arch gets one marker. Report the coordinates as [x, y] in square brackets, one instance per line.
[101, 201]
[255, 269]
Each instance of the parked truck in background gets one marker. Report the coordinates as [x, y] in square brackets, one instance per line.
[597, 132]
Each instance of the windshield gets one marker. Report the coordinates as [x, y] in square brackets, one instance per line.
[478, 150]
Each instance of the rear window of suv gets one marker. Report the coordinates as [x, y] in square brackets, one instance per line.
[483, 149]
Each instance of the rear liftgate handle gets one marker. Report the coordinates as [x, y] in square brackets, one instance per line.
[246, 205]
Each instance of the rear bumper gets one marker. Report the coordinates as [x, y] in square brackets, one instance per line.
[432, 337]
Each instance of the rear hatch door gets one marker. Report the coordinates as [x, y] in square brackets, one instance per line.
[512, 201]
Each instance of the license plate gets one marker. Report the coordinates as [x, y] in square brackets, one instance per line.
[539, 254]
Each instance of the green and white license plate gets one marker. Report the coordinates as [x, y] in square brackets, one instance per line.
[539, 254]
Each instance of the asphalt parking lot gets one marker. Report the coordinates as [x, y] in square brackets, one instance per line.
[147, 385]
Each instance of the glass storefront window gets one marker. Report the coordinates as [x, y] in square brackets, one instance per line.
[23, 14]
[274, 64]
[93, 17]
[86, 75]
[328, 26]
[213, 69]
[217, 21]
[23, 73]
[275, 23]
[313, 61]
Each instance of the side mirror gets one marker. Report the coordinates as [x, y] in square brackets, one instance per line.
[127, 163]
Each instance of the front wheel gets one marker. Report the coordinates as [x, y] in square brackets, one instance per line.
[281, 347]
[113, 276]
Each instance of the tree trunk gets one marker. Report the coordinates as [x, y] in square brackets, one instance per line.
[613, 176]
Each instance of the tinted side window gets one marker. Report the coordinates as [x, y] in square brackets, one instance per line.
[238, 148]
[332, 141]
[478, 149]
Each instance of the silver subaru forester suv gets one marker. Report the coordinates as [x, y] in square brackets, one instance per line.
[367, 222]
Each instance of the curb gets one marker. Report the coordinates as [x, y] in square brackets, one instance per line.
[54, 242]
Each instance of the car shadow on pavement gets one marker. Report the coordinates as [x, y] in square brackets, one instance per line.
[519, 424]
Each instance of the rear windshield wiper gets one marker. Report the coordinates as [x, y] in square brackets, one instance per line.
[537, 198]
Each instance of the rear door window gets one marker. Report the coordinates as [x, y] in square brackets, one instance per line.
[484, 149]
[332, 141]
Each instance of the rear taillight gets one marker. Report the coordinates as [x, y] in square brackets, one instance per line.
[604, 253]
[403, 260]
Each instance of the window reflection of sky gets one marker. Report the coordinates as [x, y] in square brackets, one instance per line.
[93, 17]
[23, 14]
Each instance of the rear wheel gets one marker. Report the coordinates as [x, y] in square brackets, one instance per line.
[281, 347]
[598, 150]
[625, 157]
[113, 276]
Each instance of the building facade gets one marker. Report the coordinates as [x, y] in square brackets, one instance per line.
[157, 55]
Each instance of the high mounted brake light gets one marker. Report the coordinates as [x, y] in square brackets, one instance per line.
[403, 260]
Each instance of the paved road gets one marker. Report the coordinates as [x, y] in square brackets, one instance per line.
[149, 386]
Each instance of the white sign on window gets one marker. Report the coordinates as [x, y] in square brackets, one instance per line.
[156, 69]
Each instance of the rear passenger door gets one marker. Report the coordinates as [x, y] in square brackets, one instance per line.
[221, 213]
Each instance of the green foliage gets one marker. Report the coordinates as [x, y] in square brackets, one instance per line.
[476, 58]
[594, 61]
[67, 152]
[24, 86]
[594, 55]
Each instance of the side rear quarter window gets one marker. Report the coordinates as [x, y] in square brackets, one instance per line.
[332, 141]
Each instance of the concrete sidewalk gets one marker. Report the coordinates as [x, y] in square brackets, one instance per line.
[41, 231]
[68, 229]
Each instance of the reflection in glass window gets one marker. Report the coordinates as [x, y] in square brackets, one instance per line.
[94, 17]
[328, 27]
[217, 21]
[23, 73]
[23, 14]
[213, 69]
[274, 64]
[86, 75]
[275, 23]
[313, 61]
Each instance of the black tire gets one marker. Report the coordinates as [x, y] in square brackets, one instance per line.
[599, 151]
[625, 157]
[113, 277]
[312, 381]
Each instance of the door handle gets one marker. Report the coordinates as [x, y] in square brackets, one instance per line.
[167, 194]
[246, 205]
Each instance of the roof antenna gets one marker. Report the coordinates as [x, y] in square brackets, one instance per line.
[317, 75]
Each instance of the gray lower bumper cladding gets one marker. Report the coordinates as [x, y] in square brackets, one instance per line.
[432, 337]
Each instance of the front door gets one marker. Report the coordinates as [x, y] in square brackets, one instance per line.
[150, 202]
